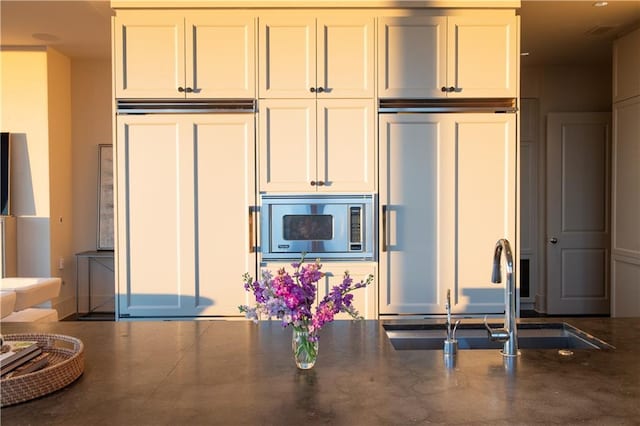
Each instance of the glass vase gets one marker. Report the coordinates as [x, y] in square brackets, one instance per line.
[305, 351]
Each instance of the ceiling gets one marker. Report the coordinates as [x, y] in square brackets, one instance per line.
[553, 32]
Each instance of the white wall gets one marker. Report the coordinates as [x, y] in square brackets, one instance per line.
[58, 111]
[25, 115]
[559, 89]
[91, 126]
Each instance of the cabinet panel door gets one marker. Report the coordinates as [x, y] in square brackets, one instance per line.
[287, 56]
[485, 206]
[225, 246]
[416, 213]
[287, 144]
[482, 56]
[412, 56]
[183, 234]
[155, 215]
[364, 300]
[626, 66]
[220, 60]
[345, 57]
[149, 55]
[346, 145]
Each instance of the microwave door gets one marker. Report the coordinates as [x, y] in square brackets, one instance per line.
[310, 228]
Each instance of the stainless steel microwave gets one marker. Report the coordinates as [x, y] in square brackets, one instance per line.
[322, 226]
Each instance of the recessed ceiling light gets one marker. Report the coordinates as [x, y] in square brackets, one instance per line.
[601, 3]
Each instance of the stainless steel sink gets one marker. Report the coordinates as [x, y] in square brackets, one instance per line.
[474, 336]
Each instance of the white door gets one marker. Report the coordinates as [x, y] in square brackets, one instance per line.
[447, 194]
[578, 176]
[416, 213]
[287, 145]
[149, 54]
[345, 57]
[184, 228]
[287, 56]
[482, 56]
[220, 55]
[485, 176]
[346, 145]
[364, 299]
[412, 52]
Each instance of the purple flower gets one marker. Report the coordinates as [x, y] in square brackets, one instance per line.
[290, 297]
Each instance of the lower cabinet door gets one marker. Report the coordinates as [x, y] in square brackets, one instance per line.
[184, 220]
[365, 300]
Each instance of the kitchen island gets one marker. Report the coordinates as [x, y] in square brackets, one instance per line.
[240, 373]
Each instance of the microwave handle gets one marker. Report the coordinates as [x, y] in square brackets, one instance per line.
[384, 228]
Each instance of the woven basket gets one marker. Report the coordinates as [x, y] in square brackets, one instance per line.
[66, 364]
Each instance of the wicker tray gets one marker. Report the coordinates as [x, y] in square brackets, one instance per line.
[66, 364]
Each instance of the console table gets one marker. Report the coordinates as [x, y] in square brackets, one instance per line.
[101, 259]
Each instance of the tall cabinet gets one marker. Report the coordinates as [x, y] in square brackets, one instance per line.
[447, 194]
[185, 229]
[625, 204]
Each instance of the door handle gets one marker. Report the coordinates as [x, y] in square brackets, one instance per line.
[384, 228]
[252, 245]
[553, 240]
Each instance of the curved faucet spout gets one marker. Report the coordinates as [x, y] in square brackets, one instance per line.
[511, 342]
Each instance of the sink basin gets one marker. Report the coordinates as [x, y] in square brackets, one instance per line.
[474, 336]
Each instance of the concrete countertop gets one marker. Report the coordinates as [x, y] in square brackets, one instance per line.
[240, 373]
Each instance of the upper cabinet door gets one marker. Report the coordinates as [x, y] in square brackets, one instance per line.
[304, 56]
[346, 145]
[220, 60]
[287, 145]
[163, 55]
[345, 57]
[626, 66]
[287, 56]
[149, 55]
[412, 56]
[482, 56]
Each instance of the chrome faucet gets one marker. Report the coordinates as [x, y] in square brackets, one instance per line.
[508, 334]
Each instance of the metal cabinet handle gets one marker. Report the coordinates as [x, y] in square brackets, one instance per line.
[444, 89]
[181, 89]
[312, 90]
[448, 89]
[384, 228]
[320, 89]
[313, 183]
[188, 90]
[452, 89]
[553, 240]
[252, 245]
[320, 183]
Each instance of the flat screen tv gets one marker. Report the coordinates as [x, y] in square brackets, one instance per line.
[5, 174]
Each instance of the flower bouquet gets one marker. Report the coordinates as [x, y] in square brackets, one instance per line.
[291, 298]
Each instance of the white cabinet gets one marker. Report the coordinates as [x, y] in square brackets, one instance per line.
[177, 54]
[466, 56]
[326, 145]
[323, 56]
[364, 299]
[447, 194]
[626, 66]
[184, 229]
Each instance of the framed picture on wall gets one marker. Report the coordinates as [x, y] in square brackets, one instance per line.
[105, 197]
